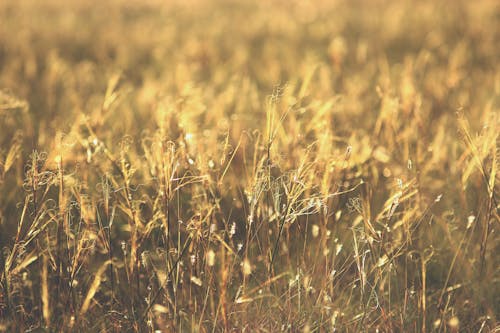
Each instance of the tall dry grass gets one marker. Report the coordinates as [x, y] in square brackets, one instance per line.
[249, 166]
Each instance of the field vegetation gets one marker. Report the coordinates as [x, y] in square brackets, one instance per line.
[249, 166]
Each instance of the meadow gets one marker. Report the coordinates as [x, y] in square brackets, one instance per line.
[249, 166]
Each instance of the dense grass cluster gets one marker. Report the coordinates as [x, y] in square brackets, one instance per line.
[224, 165]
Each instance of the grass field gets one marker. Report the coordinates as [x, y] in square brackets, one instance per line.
[249, 166]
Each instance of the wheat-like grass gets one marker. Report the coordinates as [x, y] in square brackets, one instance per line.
[255, 166]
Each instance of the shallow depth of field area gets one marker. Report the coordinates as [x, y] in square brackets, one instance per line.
[249, 166]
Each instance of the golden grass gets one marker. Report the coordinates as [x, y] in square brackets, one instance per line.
[267, 166]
